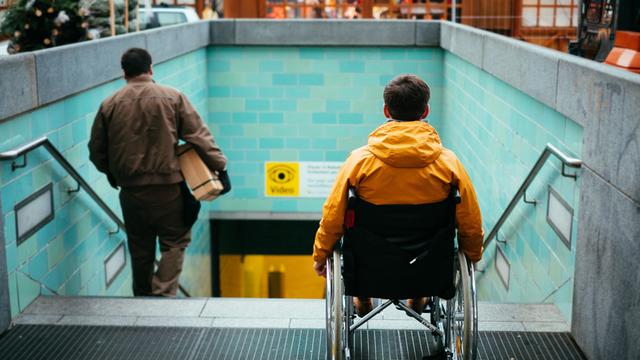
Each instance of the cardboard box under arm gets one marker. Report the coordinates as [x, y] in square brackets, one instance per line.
[204, 183]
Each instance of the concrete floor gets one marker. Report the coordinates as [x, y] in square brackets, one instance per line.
[259, 313]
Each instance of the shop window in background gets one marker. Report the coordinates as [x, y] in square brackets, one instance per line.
[313, 9]
[549, 13]
[198, 5]
[357, 9]
[549, 23]
[415, 9]
[174, 2]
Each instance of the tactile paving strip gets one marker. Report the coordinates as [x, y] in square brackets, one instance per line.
[116, 342]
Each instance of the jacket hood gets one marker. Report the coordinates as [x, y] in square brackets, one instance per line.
[405, 144]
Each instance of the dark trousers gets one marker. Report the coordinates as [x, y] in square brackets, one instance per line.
[149, 212]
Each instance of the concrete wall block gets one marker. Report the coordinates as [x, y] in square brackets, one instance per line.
[464, 41]
[530, 69]
[588, 91]
[66, 70]
[428, 33]
[17, 84]
[606, 102]
[321, 32]
[222, 32]
[607, 288]
[628, 172]
[168, 42]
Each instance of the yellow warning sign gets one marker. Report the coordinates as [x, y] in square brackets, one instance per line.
[282, 178]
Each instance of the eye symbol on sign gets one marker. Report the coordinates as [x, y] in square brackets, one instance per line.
[281, 174]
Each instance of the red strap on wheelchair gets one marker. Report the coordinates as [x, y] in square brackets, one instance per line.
[349, 218]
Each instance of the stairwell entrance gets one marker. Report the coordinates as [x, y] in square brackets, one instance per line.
[264, 258]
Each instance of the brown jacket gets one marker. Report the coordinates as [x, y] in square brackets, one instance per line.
[136, 131]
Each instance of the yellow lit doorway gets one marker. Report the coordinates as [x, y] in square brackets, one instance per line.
[264, 258]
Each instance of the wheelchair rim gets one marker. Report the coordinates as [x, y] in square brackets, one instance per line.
[347, 317]
[334, 308]
[328, 296]
[474, 299]
[461, 320]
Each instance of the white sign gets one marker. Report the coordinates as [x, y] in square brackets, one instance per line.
[309, 179]
[317, 178]
[34, 212]
[560, 216]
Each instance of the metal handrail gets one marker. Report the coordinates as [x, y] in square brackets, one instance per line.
[548, 150]
[82, 183]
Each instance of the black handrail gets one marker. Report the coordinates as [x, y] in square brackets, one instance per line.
[82, 183]
[548, 150]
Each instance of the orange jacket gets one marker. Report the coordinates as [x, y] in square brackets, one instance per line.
[404, 163]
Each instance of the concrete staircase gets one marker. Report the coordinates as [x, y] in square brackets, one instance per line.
[259, 313]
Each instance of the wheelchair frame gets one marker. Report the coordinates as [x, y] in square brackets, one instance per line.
[454, 322]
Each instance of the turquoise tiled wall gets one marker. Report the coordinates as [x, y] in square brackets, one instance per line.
[301, 104]
[66, 256]
[498, 133]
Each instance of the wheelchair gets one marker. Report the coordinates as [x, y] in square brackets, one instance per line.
[399, 252]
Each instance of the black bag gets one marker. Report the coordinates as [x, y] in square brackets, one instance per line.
[191, 205]
[223, 176]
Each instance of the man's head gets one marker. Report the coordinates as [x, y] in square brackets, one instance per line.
[406, 98]
[136, 61]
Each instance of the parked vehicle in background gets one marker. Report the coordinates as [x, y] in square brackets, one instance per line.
[166, 15]
[3, 47]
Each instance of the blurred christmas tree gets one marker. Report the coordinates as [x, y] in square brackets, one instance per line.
[99, 16]
[39, 24]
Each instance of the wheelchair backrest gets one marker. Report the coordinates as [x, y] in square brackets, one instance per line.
[399, 251]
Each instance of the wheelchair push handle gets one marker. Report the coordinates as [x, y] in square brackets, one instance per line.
[351, 197]
[350, 214]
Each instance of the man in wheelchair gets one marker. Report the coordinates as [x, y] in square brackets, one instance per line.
[408, 196]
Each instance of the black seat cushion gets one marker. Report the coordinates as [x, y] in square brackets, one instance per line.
[378, 247]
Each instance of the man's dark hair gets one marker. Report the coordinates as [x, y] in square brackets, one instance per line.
[406, 97]
[135, 61]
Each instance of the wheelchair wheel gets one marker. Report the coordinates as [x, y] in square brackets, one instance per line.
[347, 320]
[461, 316]
[334, 307]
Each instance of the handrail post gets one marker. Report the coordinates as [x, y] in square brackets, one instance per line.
[521, 192]
[15, 166]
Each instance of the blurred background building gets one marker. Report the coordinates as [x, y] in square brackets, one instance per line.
[550, 23]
